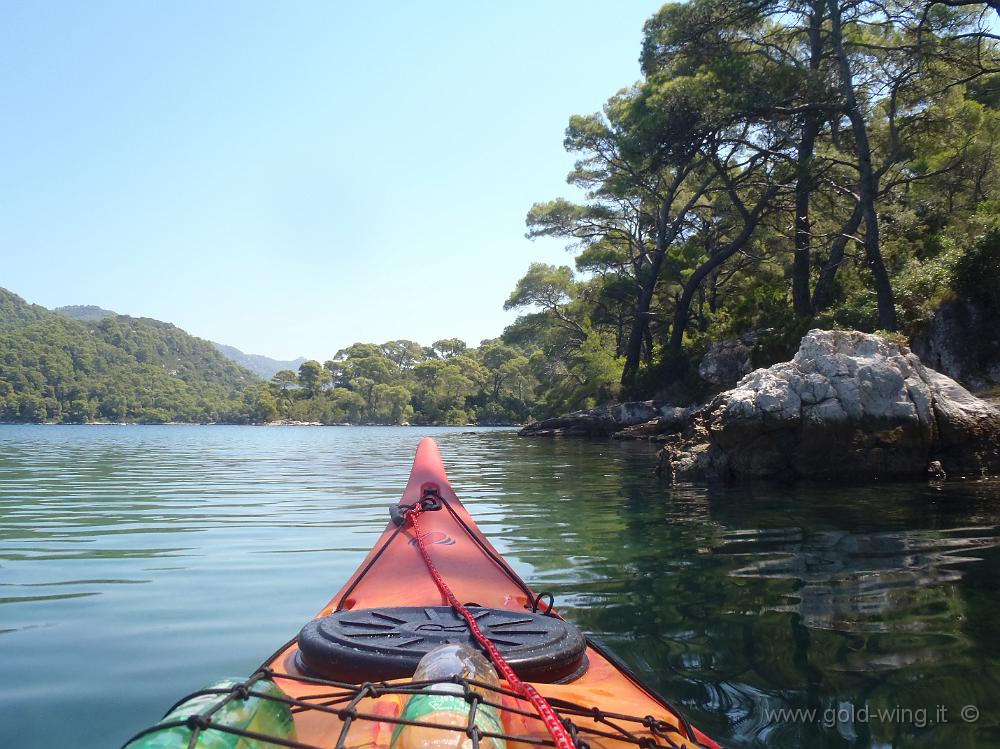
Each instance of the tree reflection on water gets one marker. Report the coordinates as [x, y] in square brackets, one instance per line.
[876, 607]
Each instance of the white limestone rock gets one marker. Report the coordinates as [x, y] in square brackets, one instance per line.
[849, 404]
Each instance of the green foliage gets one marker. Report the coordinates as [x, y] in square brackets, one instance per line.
[16, 313]
[743, 100]
[346, 406]
[53, 368]
[117, 368]
[84, 312]
[544, 286]
[403, 382]
[313, 378]
[923, 285]
[449, 347]
[261, 404]
[977, 272]
[284, 380]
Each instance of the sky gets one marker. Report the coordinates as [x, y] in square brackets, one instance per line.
[289, 178]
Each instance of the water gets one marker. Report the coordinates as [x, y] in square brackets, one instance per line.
[140, 563]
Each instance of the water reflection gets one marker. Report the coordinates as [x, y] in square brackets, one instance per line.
[174, 556]
[862, 582]
[739, 603]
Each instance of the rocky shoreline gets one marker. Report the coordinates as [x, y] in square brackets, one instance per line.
[849, 405]
[634, 420]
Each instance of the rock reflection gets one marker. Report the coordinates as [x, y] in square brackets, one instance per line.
[739, 603]
[864, 582]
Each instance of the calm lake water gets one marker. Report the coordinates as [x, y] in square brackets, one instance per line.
[140, 563]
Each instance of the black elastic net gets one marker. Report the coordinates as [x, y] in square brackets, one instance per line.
[351, 704]
[345, 701]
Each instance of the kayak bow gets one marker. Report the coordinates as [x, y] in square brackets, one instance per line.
[432, 578]
[394, 575]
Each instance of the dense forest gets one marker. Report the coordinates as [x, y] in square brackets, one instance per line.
[115, 368]
[107, 367]
[404, 382]
[779, 166]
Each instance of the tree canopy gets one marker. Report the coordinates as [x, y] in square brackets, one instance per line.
[778, 166]
[118, 368]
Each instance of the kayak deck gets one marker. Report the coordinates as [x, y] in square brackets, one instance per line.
[343, 715]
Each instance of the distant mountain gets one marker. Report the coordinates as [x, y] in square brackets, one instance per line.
[263, 366]
[118, 368]
[85, 312]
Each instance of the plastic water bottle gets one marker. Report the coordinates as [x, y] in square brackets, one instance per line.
[257, 714]
[440, 664]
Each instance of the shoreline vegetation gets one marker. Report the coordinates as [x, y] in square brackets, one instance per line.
[276, 423]
[114, 368]
[776, 169]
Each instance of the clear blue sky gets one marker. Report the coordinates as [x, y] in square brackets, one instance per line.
[290, 178]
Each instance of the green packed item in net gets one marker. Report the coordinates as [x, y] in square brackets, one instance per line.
[262, 712]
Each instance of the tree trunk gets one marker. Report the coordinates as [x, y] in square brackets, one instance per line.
[683, 309]
[803, 230]
[666, 232]
[867, 183]
[633, 351]
[823, 295]
[804, 177]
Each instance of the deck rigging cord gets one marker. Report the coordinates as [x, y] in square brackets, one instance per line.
[431, 500]
[552, 722]
[345, 700]
[335, 708]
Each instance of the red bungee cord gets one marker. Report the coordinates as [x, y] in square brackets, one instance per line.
[546, 713]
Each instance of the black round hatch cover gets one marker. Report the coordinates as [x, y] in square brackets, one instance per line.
[380, 644]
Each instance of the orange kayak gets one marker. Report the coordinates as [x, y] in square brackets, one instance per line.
[345, 680]
[394, 576]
